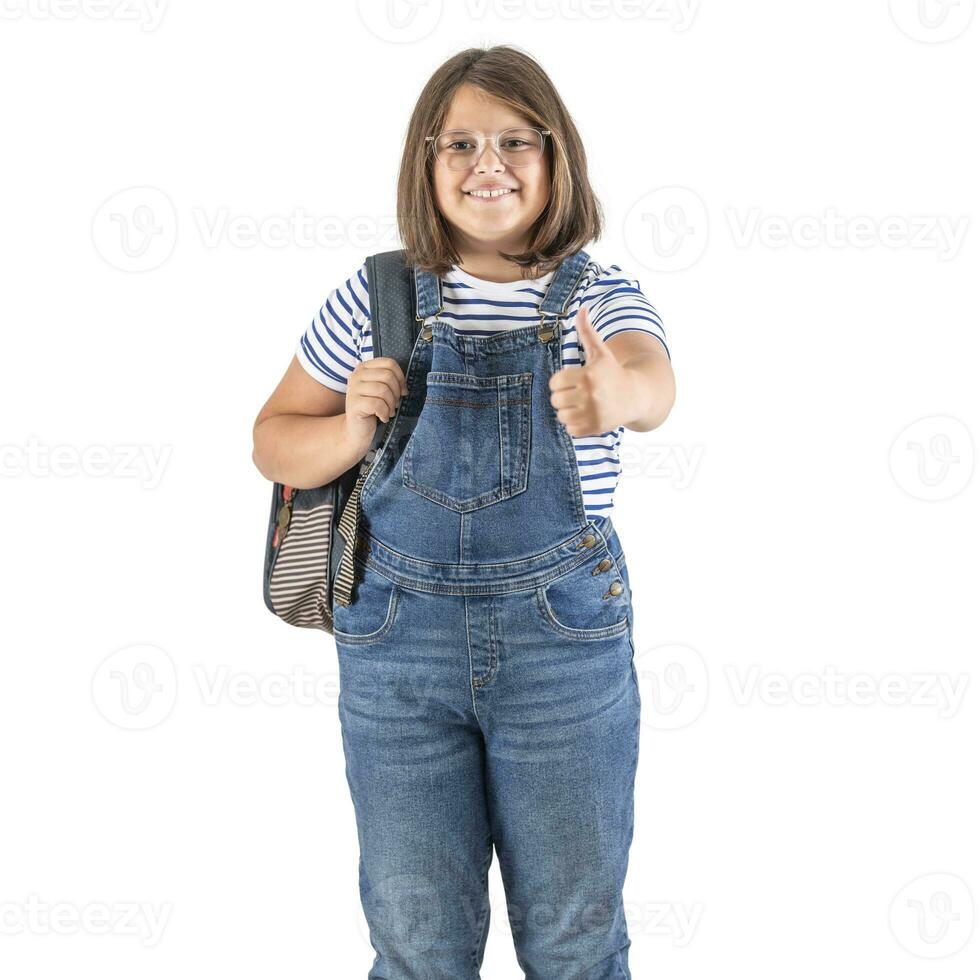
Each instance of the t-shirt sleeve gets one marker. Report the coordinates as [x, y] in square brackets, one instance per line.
[339, 335]
[617, 303]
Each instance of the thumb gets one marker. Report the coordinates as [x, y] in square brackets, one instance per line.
[593, 345]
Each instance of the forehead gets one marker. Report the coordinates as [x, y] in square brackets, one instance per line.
[476, 110]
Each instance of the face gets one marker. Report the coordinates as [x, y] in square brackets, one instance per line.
[480, 226]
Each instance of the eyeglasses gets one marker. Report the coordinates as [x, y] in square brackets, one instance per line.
[459, 149]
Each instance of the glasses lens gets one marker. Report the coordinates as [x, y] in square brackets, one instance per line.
[458, 149]
[519, 147]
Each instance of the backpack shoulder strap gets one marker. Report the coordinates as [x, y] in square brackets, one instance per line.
[394, 329]
[391, 291]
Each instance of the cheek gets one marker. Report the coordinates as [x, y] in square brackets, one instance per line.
[539, 192]
[444, 191]
[539, 186]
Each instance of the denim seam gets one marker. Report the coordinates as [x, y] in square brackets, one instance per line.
[486, 677]
[524, 584]
[474, 684]
[517, 561]
[493, 641]
[483, 585]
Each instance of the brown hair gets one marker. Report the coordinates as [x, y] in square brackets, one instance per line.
[573, 216]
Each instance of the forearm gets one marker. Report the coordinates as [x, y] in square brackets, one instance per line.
[652, 392]
[304, 451]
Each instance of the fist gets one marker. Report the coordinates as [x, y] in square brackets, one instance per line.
[593, 398]
[374, 389]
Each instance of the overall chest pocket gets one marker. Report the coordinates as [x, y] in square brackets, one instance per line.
[472, 442]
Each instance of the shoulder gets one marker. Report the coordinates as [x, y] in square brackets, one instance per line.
[617, 302]
[350, 299]
[602, 279]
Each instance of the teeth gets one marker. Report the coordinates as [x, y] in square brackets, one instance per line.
[497, 193]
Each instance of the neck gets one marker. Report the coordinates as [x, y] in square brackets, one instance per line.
[483, 262]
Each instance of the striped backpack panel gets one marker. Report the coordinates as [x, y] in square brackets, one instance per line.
[312, 533]
[299, 553]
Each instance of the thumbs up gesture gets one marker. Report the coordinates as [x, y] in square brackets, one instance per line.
[597, 396]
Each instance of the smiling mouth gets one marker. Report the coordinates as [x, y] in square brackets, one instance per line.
[492, 196]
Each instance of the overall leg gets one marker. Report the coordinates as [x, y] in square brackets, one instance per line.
[562, 719]
[416, 771]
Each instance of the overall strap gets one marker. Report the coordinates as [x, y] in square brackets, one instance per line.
[562, 286]
[393, 332]
[428, 293]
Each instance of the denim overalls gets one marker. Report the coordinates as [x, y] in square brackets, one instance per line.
[488, 693]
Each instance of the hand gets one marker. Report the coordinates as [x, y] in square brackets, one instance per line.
[596, 397]
[374, 388]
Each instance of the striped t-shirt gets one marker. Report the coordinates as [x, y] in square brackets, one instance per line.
[340, 335]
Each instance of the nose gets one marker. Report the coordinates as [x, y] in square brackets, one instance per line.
[480, 164]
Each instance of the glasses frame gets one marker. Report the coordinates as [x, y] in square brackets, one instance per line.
[431, 140]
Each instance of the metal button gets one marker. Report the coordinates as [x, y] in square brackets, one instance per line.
[285, 512]
[427, 332]
[616, 588]
[546, 333]
[603, 566]
[586, 542]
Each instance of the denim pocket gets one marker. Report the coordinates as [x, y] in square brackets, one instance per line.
[583, 603]
[372, 611]
[471, 444]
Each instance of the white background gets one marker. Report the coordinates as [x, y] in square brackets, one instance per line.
[786, 526]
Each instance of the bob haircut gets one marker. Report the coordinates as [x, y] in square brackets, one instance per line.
[573, 215]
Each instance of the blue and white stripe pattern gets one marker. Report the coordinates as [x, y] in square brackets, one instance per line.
[340, 336]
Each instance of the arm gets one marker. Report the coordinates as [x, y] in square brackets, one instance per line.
[300, 436]
[303, 436]
[653, 389]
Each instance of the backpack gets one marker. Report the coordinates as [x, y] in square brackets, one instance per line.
[312, 534]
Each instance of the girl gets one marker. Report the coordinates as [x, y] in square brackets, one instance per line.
[488, 695]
